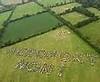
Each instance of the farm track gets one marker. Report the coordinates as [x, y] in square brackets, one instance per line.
[67, 23]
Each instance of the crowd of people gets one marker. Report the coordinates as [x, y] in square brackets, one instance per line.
[63, 55]
[45, 68]
[35, 66]
[34, 52]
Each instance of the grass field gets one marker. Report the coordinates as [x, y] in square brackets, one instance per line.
[67, 39]
[53, 55]
[73, 71]
[26, 9]
[29, 26]
[91, 32]
[74, 17]
[3, 17]
[94, 10]
[63, 8]
[53, 2]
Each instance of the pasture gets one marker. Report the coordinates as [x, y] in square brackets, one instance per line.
[94, 10]
[91, 32]
[26, 9]
[28, 26]
[74, 17]
[40, 48]
[3, 17]
[63, 8]
[73, 70]
[61, 39]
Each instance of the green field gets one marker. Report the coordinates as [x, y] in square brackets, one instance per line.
[94, 10]
[26, 9]
[68, 40]
[3, 17]
[28, 27]
[73, 71]
[74, 17]
[91, 32]
[43, 48]
[63, 8]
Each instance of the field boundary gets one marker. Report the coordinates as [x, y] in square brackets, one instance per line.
[63, 21]
[67, 23]
[34, 35]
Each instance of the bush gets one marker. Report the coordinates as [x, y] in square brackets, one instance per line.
[84, 11]
[87, 21]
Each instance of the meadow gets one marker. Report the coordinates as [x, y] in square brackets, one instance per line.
[61, 39]
[3, 17]
[26, 9]
[63, 36]
[94, 10]
[45, 49]
[91, 32]
[63, 8]
[74, 17]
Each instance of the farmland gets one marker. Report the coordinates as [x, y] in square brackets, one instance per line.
[48, 3]
[95, 11]
[28, 9]
[54, 37]
[3, 17]
[71, 70]
[74, 17]
[41, 42]
[63, 8]
[30, 25]
[91, 32]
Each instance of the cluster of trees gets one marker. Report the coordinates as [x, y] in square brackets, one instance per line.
[1, 32]
[87, 21]
[89, 2]
[66, 11]
[79, 9]
[59, 4]
[84, 11]
[97, 7]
